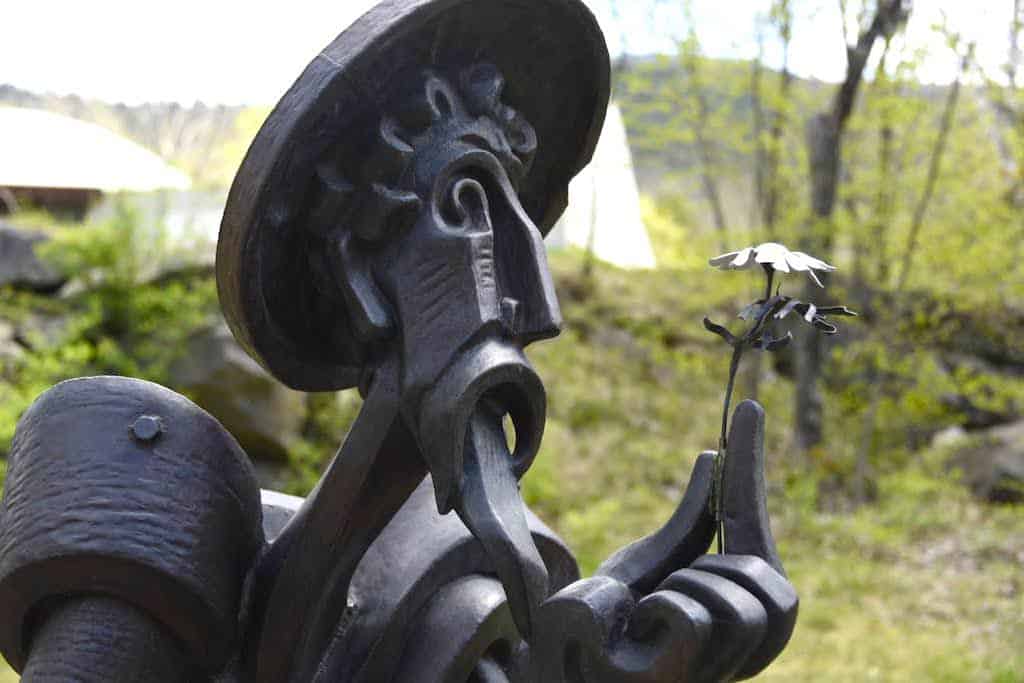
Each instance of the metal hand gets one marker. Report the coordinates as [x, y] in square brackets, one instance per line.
[662, 611]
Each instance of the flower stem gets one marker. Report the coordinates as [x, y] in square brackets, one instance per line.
[770, 272]
[768, 309]
[734, 365]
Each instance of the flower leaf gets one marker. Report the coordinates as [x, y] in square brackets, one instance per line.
[824, 325]
[771, 343]
[816, 316]
[753, 311]
[837, 310]
[787, 309]
[777, 303]
[725, 334]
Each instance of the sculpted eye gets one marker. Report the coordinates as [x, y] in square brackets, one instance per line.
[466, 207]
[440, 101]
[523, 140]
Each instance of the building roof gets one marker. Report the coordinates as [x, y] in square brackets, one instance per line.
[43, 149]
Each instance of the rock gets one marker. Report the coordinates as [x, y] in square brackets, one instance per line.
[273, 475]
[263, 415]
[972, 414]
[992, 463]
[974, 417]
[10, 349]
[951, 436]
[20, 267]
[42, 331]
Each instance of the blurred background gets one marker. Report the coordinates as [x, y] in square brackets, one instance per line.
[884, 137]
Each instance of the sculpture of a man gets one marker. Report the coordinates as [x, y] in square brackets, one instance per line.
[385, 231]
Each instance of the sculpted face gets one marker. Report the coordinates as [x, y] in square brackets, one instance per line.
[472, 266]
[446, 273]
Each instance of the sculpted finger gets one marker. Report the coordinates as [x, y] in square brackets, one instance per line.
[772, 590]
[745, 495]
[644, 564]
[739, 621]
[595, 631]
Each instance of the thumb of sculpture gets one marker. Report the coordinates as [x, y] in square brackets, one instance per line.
[746, 523]
[130, 519]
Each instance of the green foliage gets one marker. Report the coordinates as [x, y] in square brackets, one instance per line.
[675, 235]
[328, 418]
[229, 151]
[117, 316]
[660, 104]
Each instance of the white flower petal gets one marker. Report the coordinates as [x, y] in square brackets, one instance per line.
[779, 264]
[734, 260]
[768, 246]
[770, 251]
[773, 254]
[723, 260]
[742, 259]
[797, 261]
[815, 263]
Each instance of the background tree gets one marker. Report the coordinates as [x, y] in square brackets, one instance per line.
[687, 115]
[824, 141]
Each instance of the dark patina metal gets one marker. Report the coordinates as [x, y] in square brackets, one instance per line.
[384, 231]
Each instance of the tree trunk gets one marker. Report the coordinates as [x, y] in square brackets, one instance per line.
[824, 137]
[934, 169]
[824, 141]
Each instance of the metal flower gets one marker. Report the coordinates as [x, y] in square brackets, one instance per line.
[772, 255]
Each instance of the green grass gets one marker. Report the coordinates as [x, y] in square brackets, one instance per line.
[887, 597]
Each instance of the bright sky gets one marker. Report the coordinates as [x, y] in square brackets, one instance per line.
[230, 51]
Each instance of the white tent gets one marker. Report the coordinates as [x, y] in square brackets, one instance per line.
[604, 204]
[40, 149]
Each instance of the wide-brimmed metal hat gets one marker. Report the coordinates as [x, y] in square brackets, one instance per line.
[556, 69]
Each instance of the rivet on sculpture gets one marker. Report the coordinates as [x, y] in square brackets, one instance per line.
[384, 232]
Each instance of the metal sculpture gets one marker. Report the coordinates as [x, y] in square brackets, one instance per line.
[384, 231]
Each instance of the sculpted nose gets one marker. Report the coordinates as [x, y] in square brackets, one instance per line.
[539, 316]
[529, 305]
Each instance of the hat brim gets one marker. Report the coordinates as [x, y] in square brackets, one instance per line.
[556, 67]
